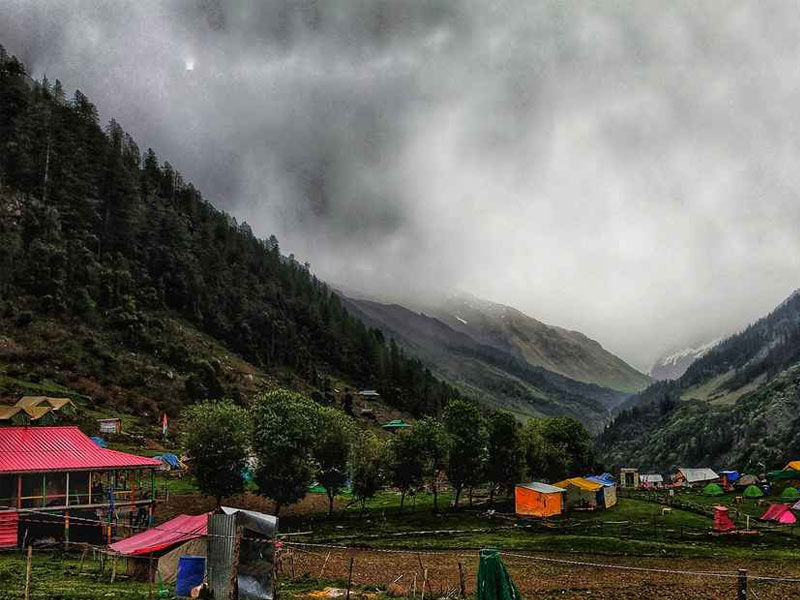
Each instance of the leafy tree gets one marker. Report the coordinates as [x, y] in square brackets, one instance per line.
[332, 451]
[505, 464]
[433, 444]
[367, 454]
[285, 430]
[556, 447]
[215, 439]
[466, 429]
[404, 463]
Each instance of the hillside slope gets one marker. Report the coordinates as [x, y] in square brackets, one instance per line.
[738, 404]
[112, 248]
[500, 376]
[568, 353]
[674, 365]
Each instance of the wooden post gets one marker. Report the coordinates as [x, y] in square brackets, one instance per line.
[414, 587]
[742, 593]
[350, 578]
[28, 574]
[113, 568]
[291, 563]
[150, 577]
[83, 556]
[233, 589]
[462, 586]
[323, 565]
[424, 582]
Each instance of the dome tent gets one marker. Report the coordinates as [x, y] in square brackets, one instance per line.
[713, 489]
[752, 491]
[790, 493]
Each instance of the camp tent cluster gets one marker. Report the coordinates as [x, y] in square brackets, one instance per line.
[38, 410]
[537, 499]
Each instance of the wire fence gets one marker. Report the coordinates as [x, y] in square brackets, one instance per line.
[435, 574]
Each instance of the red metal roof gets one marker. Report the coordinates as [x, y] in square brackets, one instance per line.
[180, 529]
[37, 449]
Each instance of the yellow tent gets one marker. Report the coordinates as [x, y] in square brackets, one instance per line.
[581, 493]
[793, 466]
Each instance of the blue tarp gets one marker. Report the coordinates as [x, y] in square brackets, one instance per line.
[100, 442]
[171, 459]
[732, 476]
[606, 479]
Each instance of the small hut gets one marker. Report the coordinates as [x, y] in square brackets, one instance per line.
[607, 495]
[722, 520]
[581, 493]
[537, 499]
[651, 480]
[629, 478]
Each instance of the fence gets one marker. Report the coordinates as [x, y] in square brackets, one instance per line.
[417, 575]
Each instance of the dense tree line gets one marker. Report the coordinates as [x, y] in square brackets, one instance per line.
[94, 229]
[292, 442]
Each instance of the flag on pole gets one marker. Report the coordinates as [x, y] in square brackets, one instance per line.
[164, 424]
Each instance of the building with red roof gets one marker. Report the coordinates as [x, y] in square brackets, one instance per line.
[58, 474]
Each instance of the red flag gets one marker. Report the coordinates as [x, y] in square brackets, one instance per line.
[164, 425]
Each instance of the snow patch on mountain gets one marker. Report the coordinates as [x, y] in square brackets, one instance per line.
[676, 364]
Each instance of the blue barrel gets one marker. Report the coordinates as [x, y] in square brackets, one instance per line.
[191, 569]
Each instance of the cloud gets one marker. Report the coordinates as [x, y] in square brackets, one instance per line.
[625, 169]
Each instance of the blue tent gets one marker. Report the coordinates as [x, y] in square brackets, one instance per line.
[731, 476]
[171, 459]
[100, 442]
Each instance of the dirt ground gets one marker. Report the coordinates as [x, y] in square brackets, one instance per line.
[536, 578]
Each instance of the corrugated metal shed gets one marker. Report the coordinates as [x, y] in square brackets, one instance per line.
[698, 475]
[543, 488]
[40, 449]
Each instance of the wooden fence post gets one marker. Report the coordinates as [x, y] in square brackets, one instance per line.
[462, 586]
[424, 581]
[350, 578]
[28, 574]
[83, 556]
[742, 593]
[113, 568]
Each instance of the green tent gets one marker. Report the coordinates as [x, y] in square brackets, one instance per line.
[395, 424]
[790, 493]
[494, 581]
[713, 489]
[753, 491]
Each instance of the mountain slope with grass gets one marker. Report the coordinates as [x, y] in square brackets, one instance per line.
[500, 375]
[737, 405]
[568, 353]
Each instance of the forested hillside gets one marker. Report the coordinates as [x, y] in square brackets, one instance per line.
[114, 272]
[739, 404]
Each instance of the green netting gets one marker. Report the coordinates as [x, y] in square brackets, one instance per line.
[713, 489]
[752, 491]
[790, 493]
[494, 581]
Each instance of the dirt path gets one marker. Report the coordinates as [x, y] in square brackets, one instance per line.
[540, 579]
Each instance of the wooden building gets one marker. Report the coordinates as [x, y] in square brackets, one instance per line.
[60, 484]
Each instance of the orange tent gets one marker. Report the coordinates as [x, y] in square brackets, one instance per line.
[538, 499]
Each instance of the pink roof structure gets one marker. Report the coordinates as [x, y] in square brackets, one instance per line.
[41, 449]
[162, 537]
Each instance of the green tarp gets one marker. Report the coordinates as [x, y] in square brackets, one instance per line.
[752, 491]
[494, 581]
[790, 493]
[785, 475]
[713, 489]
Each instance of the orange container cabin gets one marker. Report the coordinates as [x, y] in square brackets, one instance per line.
[537, 499]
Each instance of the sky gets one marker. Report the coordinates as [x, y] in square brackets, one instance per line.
[626, 169]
